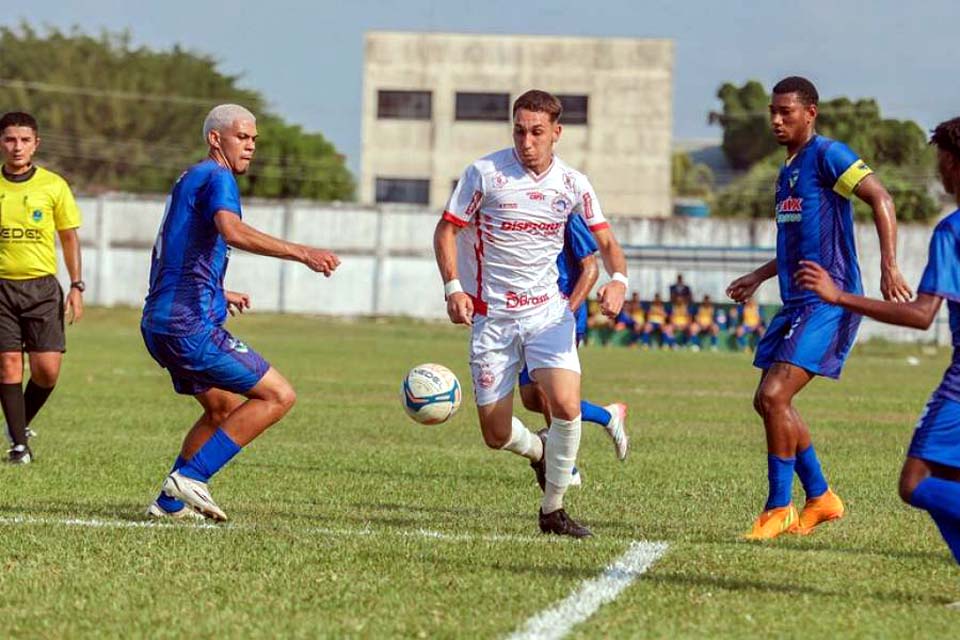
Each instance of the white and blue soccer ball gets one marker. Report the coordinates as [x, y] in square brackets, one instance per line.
[430, 393]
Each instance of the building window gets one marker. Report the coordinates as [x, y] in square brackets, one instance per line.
[574, 109]
[486, 107]
[404, 105]
[407, 190]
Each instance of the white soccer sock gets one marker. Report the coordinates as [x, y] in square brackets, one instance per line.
[561, 455]
[523, 442]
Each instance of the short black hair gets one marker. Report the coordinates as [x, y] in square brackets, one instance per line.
[947, 137]
[18, 119]
[806, 92]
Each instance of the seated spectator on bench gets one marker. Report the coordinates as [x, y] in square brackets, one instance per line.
[681, 323]
[680, 292]
[657, 321]
[751, 327]
[705, 322]
[598, 324]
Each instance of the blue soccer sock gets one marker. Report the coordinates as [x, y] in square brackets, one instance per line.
[211, 457]
[810, 473]
[941, 499]
[742, 341]
[645, 338]
[697, 340]
[164, 501]
[594, 413]
[669, 340]
[780, 477]
[713, 340]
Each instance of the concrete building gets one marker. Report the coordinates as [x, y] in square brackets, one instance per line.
[433, 103]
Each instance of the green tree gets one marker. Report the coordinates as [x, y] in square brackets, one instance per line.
[897, 150]
[690, 178]
[118, 117]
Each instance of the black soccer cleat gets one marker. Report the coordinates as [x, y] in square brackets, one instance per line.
[540, 466]
[560, 523]
[20, 454]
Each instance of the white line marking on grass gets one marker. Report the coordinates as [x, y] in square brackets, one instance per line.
[344, 533]
[557, 621]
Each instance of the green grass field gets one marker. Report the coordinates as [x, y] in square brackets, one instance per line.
[330, 510]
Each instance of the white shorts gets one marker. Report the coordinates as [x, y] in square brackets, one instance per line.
[499, 348]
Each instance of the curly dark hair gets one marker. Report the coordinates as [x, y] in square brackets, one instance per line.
[806, 92]
[947, 137]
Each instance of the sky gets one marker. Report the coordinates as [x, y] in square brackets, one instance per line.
[307, 57]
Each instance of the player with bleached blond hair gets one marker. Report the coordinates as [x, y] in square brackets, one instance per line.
[497, 246]
[187, 305]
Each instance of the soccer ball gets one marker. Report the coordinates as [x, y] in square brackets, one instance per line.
[430, 393]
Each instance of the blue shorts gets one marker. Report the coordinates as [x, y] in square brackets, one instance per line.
[207, 360]
[525, 378]
[937, 436]
[816, 337]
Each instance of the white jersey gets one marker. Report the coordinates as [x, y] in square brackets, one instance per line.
[513, 226]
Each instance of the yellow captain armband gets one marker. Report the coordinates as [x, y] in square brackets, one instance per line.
[850, 178]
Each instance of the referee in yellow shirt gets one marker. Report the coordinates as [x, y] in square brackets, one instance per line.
[35, 204]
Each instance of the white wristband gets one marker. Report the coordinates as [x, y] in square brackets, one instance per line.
[619, 277]
[451, 287]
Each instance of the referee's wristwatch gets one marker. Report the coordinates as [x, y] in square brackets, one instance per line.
[79, 285]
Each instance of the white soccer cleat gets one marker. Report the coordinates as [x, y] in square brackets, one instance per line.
[157, 512]
[617, 429]
[195, 493]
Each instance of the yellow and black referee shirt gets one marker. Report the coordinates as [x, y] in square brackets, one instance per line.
[31, 212]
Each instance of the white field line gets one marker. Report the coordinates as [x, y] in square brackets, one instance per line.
[556, 622]
[345, 533]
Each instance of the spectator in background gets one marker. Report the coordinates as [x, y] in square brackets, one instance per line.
[657, 321]
[681, 321]
[705, 322]
[680, 292]
[598, 323]
[751, 324]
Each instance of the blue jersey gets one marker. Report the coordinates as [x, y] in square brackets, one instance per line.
[190, 256]
[815, 216]
[578, 243]
[942, 278]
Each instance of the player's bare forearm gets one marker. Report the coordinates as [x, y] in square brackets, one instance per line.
[766, 271]
[893, 286]
[589, 273]
[917, 314]
[445, 249]
[240, 235]
[70, 245]
[610, 251]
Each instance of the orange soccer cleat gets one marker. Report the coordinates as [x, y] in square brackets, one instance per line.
[773, 522]
[819, 510]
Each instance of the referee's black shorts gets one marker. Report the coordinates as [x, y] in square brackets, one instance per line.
[31, 315]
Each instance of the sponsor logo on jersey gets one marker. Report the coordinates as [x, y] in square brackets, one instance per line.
[237, 345]
[14, 233]
[474, 204]
[536, 195]
[536, 228]
[507, 205]
[521, 300]
[790, 205]
[587, 206]
[561, 204]
[37, 215]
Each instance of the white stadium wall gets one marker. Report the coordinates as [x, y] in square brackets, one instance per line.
[388, 266]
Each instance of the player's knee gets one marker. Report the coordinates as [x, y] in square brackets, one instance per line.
[286, 397]
[45, 377]
[495, 440]
[768, 399]
[908, 482]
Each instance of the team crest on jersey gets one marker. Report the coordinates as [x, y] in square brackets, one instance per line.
[794, 176]
[569, 181]
[561, 204]
[37, 215]
[499, 180]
